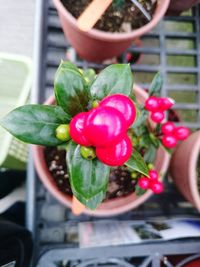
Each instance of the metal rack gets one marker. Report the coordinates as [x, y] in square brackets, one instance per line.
[175, 52]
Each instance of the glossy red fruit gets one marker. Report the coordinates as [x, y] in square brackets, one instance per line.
[168, 128]
[105, 126]
[181, 132]
[115, 155]
[76, 129]
[152, 103]
[157, 116]
[165, 103]
[144, 183]
[169, 141]
[157, 187]
[123, 104]
[153, 174]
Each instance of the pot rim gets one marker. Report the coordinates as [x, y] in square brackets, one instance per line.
[162, 6]
[107, 209]
[192, 171]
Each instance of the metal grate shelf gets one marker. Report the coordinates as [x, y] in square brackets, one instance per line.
[173, 48]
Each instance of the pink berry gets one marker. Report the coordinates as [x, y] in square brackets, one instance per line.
[144, 183]
[153, 174]
[168, 128]
[105, 126]
[123, 104]
[157, 116]
[157, 187]
[115, 155]
[152, 104]
[76, 129]
[165, 103]
[181, 133]
[169, 141]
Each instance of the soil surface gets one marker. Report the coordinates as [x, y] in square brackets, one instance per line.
[116, 19]
[120, 181]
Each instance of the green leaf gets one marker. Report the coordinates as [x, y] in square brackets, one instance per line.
[156, 84]
[68, 65]
[150, 154]
[114, 79]
[35, 124]
[145, 140]
[71, 89]
[88, 178]
[139, 191]
[133, 97]
[154, 140]
[89, 75]
[93, 202]
[140, 119]
[137, 163]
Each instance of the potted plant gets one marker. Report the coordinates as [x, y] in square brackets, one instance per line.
[101, 42]
[109, 134]
[178, 6]
[185, 170]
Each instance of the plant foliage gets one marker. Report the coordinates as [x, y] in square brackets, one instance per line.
[74, 90]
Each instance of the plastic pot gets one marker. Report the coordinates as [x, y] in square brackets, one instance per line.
[96, 45]
[178, 6]
[183, 168]
[110, 207]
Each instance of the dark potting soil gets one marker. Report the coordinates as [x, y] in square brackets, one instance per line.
[121, 19]
[120, 181]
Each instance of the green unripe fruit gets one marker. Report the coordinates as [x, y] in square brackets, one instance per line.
[150, 166]
[95, 104]
[91, 72]
[62, 132]
[88, 152]
[134, 175]
[135, 141]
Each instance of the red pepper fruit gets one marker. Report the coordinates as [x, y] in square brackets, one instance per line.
[115, 155]
[152, 104]
[169, 141]
[144, 183]
[123, 104]
[168, 128]
[165, 103]
[105, 126]
[153, 174]
[157, 116]
[76, 128]
[157, 187]
[181, 132]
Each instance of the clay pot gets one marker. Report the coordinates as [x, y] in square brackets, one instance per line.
[183, 168]
[178, 6]
[110, 207]
[96, 45]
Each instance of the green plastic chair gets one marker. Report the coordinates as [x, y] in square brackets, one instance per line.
[15, 84]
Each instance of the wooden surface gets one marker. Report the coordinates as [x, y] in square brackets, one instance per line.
[17, 26]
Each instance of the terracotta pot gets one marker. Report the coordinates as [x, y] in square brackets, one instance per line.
[183, 168]
[178, 6]
[111, 207]
[98, 45]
